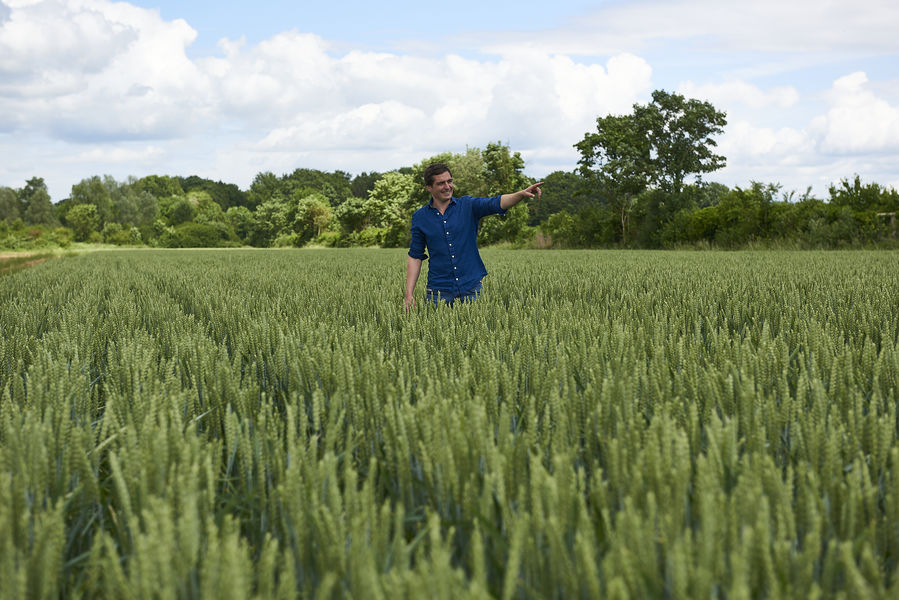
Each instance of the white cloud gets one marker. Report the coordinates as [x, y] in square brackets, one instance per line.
[832, 27]
[858, 121]
[118, 154]
[857, 132]
[725, 95]
[95, 70]
[748, 144]
[90, 83]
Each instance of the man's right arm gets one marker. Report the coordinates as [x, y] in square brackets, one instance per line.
[413, 270]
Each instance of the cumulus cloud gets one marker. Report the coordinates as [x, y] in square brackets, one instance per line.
[95, 70]
[858, 121]
[110, 72]
[749, 144]
[108, 83]
[725, 95]
[857, 132]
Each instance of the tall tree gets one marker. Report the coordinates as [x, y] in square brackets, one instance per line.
[364, 183]
[657, 146]
[503, 169]
[38, 206]
[617, 158]
[96, 191]
[83, 220]
[9, 205]
[314, 214]
[161, 186]
[681, 134]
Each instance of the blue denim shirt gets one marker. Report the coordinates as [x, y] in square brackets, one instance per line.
[451, 240]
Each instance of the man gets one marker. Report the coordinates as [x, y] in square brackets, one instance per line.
[447, 228]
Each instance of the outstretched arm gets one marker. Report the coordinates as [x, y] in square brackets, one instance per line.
[413, 269]
[507, 201]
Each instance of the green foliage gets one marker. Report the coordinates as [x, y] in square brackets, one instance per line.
[305, 182]
[84, 220]
[680, 133]
[241, 220]
[10, 207]
[390, 206]
[38, 208]
[159, 186]
[363, 183]
[352, 215]
[263, 424]
[564, 191]
[512, 227]
[313, 215]
[503, 170]
[113, 233]
[656, 146]
[226, 195]
[863, 197]
[177, 210]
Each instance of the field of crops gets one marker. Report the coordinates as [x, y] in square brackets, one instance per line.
[254, 423]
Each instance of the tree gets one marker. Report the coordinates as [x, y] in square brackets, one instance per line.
[160, 186]
[207, 209]
[38, 206]
[657, 146]
[352, 215]
[503, 170]
[241, 220]
[863, 197]
[680, 134]
[225, 195]
[271, 219]
[468, 174]
[363, 183]
[617, 157]
[177, 210]
[390, 201]
[9, 205]
[84, 220]
[305, 182]
[564, 191]
[96, 191]
[313, 215]
[390, 205]
[266, 186]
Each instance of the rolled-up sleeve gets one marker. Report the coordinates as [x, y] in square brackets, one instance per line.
[417, 245]
[481, 207]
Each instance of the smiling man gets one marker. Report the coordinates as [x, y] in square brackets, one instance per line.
[446, 230]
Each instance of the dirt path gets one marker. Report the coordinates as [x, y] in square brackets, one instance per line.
[4, 256]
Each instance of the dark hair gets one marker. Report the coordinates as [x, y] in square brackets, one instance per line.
[433, 171]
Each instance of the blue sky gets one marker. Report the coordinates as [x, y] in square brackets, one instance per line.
[228, 90]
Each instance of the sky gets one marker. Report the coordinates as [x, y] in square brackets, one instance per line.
[229, 90]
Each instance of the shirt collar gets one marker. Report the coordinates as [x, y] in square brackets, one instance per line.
[431, 202]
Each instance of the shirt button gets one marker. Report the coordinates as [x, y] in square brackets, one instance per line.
[457, 279]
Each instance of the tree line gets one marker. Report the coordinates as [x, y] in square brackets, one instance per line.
[639, 184]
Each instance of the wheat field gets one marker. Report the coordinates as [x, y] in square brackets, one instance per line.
[621, 424]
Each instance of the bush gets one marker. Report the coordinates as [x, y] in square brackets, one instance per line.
[328, 239]
[202, 235]
[61, 236]
[288, 240]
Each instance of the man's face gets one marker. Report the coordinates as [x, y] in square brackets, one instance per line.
[442, 188]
